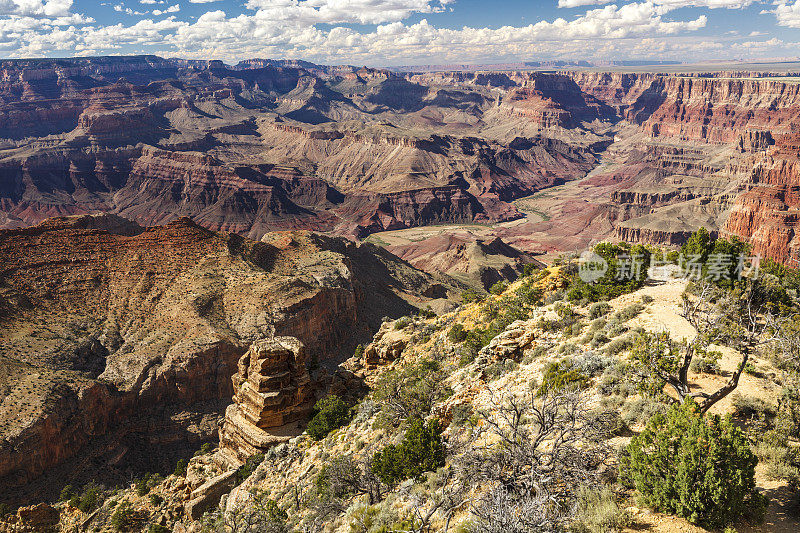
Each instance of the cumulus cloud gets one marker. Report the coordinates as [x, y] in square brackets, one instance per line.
[344, 11]
[787, 14]
[320, 30]
[202, 1]
[35, 8]
[170, 9]
[670, 4]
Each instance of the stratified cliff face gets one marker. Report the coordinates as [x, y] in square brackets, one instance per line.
[271, 145]
[271, 394]
[119, 342]
[766, 212]
[274, 145]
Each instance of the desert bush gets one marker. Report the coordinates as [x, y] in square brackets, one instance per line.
[457, 334]
[124, 517]
[641, 410]
[598, 512]
[781, 459]
[156, 499]
[647, 299]
[618, 345]
[752, 407]
[599, 309]
[66, 493]
[469, 296]
[701, 469]
[205, 449]
[562, 375]
[89, 499]
[330, 413]
[628, 312]
[411, 391]
[592, 363]
[705, 365]
[421, 450]
[612, 284]
[180, 467]
[249, 466]
[598, 339]
[402, 323]
[597, 324]
[158, 528]
[616, 330]
[499, 288]
[495, 370]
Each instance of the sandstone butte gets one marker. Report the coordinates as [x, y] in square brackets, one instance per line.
[119, 343]
[266, 145]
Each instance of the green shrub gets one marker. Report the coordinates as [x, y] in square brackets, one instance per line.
[597, 512]
[331, 413]
[752, 407]
[562, 375]
[180, 468]
[156, 499]
[421, 450]
[457, 334]
[158, 528]
[647, 299]
[628, 312]
[142, 487]
[402, 323]
[701, 469]
[705, 365]
[469, 296]
[598, 309]
[620, 277]
[89, 500]
[498, 288]
[247, 469]
[412, 390]
[66, 493]
[205, 449]
[123, 518]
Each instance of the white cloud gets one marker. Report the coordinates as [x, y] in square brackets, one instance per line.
[670, 4]
[35, 8]
[344, 11]
[202, 1]
[170, 9]
[787, 14]
[290, 28]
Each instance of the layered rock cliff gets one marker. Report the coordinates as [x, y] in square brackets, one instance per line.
[271, 393]
[119, 342]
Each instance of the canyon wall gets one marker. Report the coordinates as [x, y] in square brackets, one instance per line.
[119, 342]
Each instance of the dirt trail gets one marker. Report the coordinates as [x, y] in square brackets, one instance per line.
[663, 313]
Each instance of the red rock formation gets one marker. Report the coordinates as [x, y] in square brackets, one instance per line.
[117, 339]
[766, 214]
[271, 394]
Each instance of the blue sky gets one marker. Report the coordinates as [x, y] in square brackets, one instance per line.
[405, 32]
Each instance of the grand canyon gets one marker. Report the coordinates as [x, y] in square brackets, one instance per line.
[191, 252]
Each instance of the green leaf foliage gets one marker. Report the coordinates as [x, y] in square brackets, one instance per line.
[331, 413]
[701, 469]
[420, 451]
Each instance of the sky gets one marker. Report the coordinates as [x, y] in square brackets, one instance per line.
[405, 32]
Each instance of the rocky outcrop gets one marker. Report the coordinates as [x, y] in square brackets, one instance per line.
[271, 394]
[767, 212]
[119, 342]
